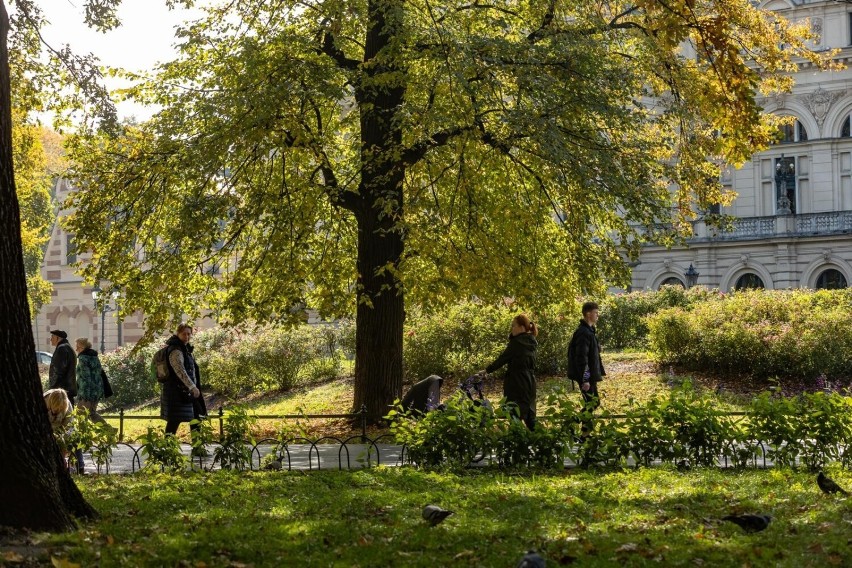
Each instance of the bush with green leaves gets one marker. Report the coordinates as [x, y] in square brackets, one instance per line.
[246, 361]
[451, 438]
[622, 322]
[460, 339]
[683, 428]
[97, 438]
[235, 447]
[129, 374]
[161, 450]
[762, 333]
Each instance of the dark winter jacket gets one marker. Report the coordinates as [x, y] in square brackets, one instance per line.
[176, 402]
[63, 369]
[585, 351]
[89, 379]
[519, 382]
[424, 396]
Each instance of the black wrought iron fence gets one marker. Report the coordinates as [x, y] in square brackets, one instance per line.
[360, 416]
[361, 450]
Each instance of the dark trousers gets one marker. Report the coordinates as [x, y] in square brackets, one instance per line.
[523, 412]
[199, 409]
[591, 402]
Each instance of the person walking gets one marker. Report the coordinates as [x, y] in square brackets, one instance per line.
[63, 375]
[519, 387]
[180, 399]
[90, 382]
[63, 365]
[585, 366]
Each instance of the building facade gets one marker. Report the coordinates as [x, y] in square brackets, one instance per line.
[793, 214]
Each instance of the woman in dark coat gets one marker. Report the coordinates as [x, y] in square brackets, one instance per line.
[180, 400]
[90, 382]
[519, 355]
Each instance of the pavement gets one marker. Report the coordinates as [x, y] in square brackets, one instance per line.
[129, 458]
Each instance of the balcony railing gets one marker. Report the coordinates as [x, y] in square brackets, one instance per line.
[746, 228]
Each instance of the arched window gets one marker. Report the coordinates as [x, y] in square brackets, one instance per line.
[673, 281]
[788, 133]
[845, 131]
[831, 279]
[749, 281]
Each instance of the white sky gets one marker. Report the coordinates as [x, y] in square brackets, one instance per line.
[145, 37]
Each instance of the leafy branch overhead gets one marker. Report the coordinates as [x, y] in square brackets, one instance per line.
[517, 149]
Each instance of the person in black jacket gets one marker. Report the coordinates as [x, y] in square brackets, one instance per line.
[63, 365]
[585, 366]
[63, 375]
[181, 400]
[519, 355]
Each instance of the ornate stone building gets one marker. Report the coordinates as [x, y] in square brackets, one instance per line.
[793, 213]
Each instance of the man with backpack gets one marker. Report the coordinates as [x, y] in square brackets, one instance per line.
[585, 366]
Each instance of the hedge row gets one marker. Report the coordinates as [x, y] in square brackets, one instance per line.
[683, 428]
[765, 334]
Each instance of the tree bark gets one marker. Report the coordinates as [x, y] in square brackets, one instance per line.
[378, 211]
[36, 491]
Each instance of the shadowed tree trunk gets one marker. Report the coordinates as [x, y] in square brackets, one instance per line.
[36, 491]
[378, 209]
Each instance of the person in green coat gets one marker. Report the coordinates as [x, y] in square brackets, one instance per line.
[90, 382]
[519, 381]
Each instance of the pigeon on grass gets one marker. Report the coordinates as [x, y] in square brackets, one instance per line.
[749, 523]
[531, 559]
[435, 515]
[828, 485]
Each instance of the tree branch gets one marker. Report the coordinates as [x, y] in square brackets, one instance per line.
[328, 47]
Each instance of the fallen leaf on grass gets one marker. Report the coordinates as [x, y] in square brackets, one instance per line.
[627, 547]
[63, 563]
[463, 554]
[12, 556]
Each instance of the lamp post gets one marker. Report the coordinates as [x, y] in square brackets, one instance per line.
[96, 294]
[691, 276]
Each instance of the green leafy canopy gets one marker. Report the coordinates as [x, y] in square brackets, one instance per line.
[536, 141]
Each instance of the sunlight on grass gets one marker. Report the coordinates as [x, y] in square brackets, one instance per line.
[653, 516]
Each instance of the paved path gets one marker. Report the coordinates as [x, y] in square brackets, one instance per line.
[128, 458]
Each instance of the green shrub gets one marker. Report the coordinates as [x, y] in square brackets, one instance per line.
[790, 333]
[240, 362]
[129, 375]
[455, 342]
[622, 322]
[235, 447]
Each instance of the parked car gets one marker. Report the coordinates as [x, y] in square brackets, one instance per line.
[43, 357]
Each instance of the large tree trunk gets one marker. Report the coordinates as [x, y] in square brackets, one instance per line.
[378, 211]
[36, 491]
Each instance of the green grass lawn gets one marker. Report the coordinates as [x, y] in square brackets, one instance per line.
[657, 517]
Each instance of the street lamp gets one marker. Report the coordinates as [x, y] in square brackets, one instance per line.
[691, 276]
[96, 294]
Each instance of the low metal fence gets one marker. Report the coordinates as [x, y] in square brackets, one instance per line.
[360, 450]
[360, 416]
